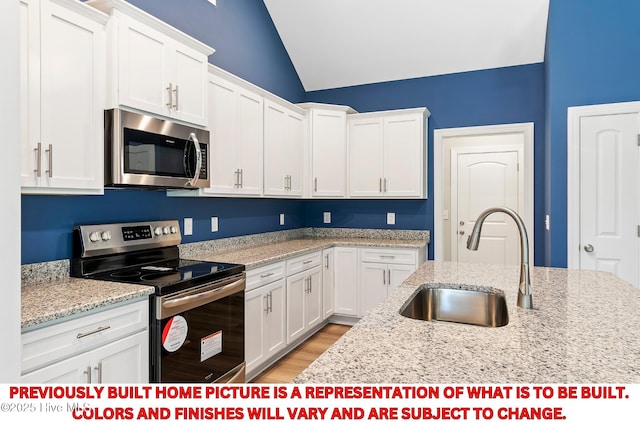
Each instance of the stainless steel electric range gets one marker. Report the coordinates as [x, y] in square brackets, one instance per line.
[197, 310]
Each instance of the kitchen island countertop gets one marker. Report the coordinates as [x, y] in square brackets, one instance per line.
[584, 328]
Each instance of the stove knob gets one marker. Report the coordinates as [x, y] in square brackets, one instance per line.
[165, 230]
[106, 235]
[157, 231]
[174, 230]
[94, 236]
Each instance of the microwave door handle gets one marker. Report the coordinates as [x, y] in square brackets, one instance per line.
[196, 173]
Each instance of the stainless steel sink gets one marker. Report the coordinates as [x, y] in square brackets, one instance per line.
[473, 307]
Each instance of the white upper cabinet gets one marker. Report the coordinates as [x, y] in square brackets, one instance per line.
[154, 67]
[236, 138]
[387, 154]
[327, 132]
[283, 150]
[62, 48]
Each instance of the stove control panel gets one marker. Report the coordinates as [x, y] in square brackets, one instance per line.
[126, 237]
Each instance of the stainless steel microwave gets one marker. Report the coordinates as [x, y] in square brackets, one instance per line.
[146, 151]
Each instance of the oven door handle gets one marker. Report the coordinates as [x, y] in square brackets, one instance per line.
[171, 305]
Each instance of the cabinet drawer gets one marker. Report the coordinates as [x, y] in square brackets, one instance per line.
[264, 275]
[60, 341]
[303, 262]
[389, 256]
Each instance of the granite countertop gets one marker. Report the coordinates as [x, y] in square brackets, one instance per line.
[49, 294]
[50, 301]
[584, 328]
[254, 257]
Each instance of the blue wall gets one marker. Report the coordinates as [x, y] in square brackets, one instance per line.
[497, 96]
[592, 57]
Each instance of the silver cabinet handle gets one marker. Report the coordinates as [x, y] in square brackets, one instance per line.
[266, 303]
[270, 302]
[237, 178]
[170, 95]
[175, 105]
[385, 185]
[241, 177]
[38, 169]
[99, 370]
[389, 277]
[588, 248]
[87, 372]
[315, 184]
[384, 277]
[50, 152]
[388, 256]
[380, 186]
[309, 261]
[326, 259]
[95, 331]
[262, 276]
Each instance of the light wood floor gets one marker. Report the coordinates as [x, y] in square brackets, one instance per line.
[290, 366]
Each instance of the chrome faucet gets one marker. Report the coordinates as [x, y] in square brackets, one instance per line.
[524, 289]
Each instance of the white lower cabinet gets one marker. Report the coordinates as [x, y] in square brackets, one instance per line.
[111, 346]
[328, 283]
[304, 302]
[381, 271]
[346, 281]
[264, 323]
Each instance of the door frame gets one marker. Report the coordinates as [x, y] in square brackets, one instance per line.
[574, 116]
[439, 138]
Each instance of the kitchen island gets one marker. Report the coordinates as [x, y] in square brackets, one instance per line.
[584, 328]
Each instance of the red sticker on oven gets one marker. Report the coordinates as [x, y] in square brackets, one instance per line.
[174, 333]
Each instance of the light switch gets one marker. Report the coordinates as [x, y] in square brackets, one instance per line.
[188, 226]
[326, 217]
[281, 219]
[391, 218]
[214, 224]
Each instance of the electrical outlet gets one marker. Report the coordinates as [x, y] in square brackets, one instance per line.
[188, 226]
[282, 219]
[214, 224]
[326, 217]
[391, 218]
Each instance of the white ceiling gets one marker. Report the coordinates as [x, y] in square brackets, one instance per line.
[339, 43]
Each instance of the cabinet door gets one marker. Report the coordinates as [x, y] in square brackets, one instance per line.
[74, 370]
[398, 274]
[29, 92]
[313, 298]
[373, 279]
[125, 361]
[189, 86]
[403, 156]
[328, 283]
[346, 281]
[72, 99]
[366, 172]
[296, 285]
[222, 105]
[275, 148]
[294, 141]
[248, 142]
[143, 66]
[328, 153]
[274, 325]
[255, 307]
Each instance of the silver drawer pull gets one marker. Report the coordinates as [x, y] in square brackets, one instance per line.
[308, 261]
[86, 334]
[262, 276]
[388, 256]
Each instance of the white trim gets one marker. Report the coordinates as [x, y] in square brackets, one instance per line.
[574, 116]
[439, 135]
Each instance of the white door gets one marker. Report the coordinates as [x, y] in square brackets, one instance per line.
[481, 180]
[329, 153]
[402, 155]
[609, 194]
[366, 157]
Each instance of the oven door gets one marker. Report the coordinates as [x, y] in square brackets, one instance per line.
[198, 334]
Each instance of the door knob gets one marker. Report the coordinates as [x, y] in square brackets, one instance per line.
[588, 248]
[461, 222]
[461, 232]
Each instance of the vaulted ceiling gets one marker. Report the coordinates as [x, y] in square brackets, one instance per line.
[339, 43]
